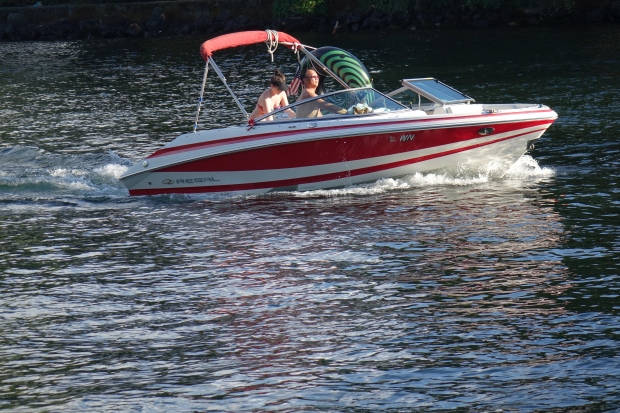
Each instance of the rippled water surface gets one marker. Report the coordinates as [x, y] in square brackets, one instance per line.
[465, 292]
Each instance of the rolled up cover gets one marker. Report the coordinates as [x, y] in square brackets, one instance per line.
[226, 41]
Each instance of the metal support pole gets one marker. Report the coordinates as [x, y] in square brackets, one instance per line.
[202, 92]
[219, 73]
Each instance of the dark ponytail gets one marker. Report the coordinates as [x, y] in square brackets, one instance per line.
[278, 78]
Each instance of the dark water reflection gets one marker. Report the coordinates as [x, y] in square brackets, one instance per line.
[454, 293]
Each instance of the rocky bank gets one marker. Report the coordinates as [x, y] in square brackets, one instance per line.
[152, 19]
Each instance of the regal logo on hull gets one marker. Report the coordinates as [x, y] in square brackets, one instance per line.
[189, 180]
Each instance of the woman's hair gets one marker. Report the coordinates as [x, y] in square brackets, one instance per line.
[279, 81]
[278, 78]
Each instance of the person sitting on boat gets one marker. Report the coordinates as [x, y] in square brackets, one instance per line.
[313, 109]
[274, 97]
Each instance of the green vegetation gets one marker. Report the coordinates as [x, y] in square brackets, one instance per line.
[26, 3]
[214, 3]
[282, 8]
[391, 6]
[285, 8]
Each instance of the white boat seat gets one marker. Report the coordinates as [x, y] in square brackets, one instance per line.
[464, 109]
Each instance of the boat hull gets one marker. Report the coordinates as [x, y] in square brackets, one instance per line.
[334, 154]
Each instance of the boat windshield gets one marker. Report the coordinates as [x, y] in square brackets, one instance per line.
[433, 90]
[361, 101]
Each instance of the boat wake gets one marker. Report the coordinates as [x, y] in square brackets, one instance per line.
[30, 172]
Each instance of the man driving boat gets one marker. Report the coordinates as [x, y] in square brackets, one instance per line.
[313, 109]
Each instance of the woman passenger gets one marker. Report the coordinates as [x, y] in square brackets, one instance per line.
[274, 97]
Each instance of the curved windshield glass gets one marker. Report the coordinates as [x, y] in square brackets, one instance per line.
[360, 101]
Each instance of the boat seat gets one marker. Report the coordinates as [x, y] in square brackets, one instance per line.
[464, 109]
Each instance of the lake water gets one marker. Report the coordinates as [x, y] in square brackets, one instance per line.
[463, 292]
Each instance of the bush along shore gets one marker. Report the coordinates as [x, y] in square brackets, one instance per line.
[152, 19]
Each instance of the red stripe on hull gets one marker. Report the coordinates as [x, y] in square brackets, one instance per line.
[228, 141]
[315, 178]
[335, 150]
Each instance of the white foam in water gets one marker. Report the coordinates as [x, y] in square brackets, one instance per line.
[527, 167]
[74, 179]
[106, 179]
[111, 170]
[463, 175]
[431, 179]
[58, 172]
[64, 173]
[76, 185]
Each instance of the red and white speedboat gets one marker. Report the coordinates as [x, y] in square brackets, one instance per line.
[378, 137]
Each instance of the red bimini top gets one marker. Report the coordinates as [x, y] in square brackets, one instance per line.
[226, 41]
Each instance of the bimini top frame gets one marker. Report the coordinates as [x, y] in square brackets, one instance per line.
[271, 37]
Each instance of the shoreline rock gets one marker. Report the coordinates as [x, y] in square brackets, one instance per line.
[199, 17]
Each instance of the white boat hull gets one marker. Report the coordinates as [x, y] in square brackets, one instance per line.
[330, 153]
